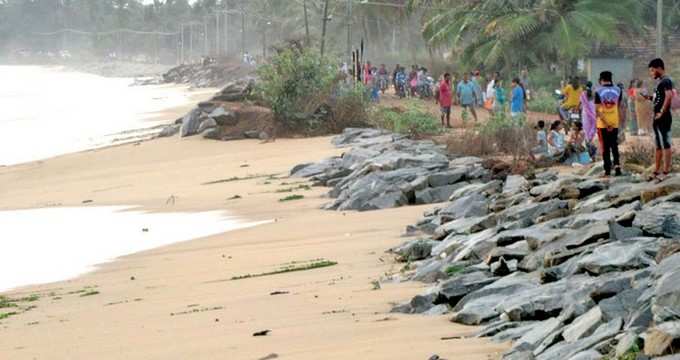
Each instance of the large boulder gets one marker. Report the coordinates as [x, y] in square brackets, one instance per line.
[623, 255]
[191, 122]
[662, 219]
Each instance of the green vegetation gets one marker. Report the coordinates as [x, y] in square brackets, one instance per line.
[306, 94]
[291, 189]
[194, 311]
[502, 33]
[542, 101]
[237, 178]
[293, 267]
[6, 315]
[292, 198]
[414, 121]
[454, 269]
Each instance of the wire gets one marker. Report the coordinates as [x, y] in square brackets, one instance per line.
[111, 32]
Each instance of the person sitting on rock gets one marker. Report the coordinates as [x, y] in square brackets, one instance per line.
[577, 149]
[556, 144]
[540, 151]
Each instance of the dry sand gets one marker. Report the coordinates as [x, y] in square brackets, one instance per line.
[181, 303]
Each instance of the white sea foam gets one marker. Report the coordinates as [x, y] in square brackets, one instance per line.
[52, 244]
[48, 111]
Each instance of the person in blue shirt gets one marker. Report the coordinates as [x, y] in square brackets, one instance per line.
[467, 95]
[517, 99]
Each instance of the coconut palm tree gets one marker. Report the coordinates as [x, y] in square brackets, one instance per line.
[499, 33]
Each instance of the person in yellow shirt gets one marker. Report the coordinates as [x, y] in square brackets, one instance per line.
[572, 98]
[608, 99]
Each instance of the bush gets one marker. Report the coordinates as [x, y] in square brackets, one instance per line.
[501, 135]
[307, 94]
[542, 101]
[412, 120]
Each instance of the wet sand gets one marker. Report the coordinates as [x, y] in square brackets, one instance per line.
[179, 302]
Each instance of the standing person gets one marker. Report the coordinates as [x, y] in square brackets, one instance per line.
[383, 78]
[445, 97]
[375, 85]
[663, 119]
[607, 107]
[517, 99]
[524, 78]
[367, 73]
[400, 83]
[630, 101]
[643, 109]
[394, 76]
[478, 88]
[413, 80]
[588, 114]
[490, 95]
[499, 97]
[467, 97]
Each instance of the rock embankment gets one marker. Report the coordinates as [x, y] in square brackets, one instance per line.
[213, 75]
[224, 117]
[565, 266]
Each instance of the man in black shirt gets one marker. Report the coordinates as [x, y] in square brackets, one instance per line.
[662, 117]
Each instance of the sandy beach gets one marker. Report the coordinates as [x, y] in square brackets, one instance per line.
[179, 302]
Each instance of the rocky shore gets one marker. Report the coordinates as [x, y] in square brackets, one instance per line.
[566, 266]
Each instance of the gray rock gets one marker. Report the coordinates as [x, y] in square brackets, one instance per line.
[435, 195]
[618, 232]
[532, 211]
[169, 131]
[251, 134]
[583, 326]
[666, 301]
[515, 184]
[531, 339]
[223, 117]
[479, 306]
[503, 267]
[447, 177]
[623, 255]
[213, 134]
[415, 250]
[662, 219]
[473, 205]
[566, 350]
[451, 291]
[521, 355]
[191, 123]
[464, 226]
[587, 355]
[479, 188]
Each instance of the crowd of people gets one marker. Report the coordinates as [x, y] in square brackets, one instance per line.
[604, 112]
[592, 118]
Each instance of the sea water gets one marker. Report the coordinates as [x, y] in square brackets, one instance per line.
[52, 244]
[49, 111]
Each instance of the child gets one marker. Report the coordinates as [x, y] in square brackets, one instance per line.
[576, 146]
[499, 99]
[540, 151]
[556, 140]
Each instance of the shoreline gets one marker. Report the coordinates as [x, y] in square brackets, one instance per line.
[324, 310]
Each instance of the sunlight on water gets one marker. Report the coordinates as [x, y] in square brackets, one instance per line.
[47, 111]
[53, 244]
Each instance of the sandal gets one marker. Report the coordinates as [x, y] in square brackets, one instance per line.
[653, 177]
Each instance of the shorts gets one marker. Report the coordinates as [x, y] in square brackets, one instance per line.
[662, 133]
[446, 110]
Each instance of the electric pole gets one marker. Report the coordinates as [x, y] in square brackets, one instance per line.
[205, 36]
[304, 7]
[659, 28]
[323, 27]
[243, 31]
[217, 34]
[349, 32]
[226, 32]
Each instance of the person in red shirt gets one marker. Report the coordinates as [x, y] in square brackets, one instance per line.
[444, 99]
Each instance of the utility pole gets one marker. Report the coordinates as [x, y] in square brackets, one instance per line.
[323, 27]
[349, 31]
[659, 28]
[226, 33]
[304, 6]
[181, 44]
[243, 31]
[206, 47]
[191, 43]
[217, 34]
